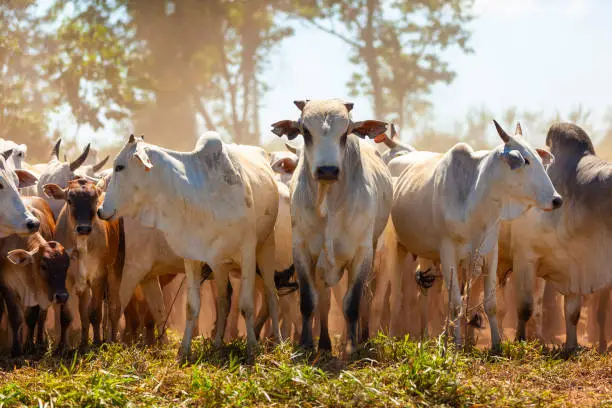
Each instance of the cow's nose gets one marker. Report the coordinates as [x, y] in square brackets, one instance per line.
[32, 225]
[557, 202]
[83, 229]
[60, 297]
[328, 173]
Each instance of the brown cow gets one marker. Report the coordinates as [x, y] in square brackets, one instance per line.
[99, 245]
[33, 275]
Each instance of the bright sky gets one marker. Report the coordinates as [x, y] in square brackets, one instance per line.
[532, 54]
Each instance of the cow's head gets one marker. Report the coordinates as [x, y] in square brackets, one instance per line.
[15, 218]
[325, 126]
[125, 191]
[525, 180]
[51, 261]
[60, 172]
[82, 198]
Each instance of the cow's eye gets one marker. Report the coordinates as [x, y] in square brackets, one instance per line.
[527, 162]
[1, 186]
[118, 168]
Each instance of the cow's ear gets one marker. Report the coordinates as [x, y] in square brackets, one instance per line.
[141, 155]
[21, 257]
[26, 179]
[286, 127]
[546, 156]
[284, 165]
[369, 128]
[54, 191]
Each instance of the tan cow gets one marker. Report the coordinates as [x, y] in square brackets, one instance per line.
[100, 248]
[570, 248]
[340, 201]
[448, 207]
[216, 205]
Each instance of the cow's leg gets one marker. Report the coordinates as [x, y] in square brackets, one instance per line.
[323, 304]
[359, 272]
[193, 276]
[65, 321]
[394, 262]
[15, 316]
[222, 272]
[573, 303]
[490, 298]
[84, 305]
[95, 310]
[602, 308]
[132, 322]
[31, 318]
[538, 308]
[524, 279]
[308, 297]
[154, 297]
[40, 327]
[266, 259]
[264, 311]
[114, 304]
[247, 292]
[450, 270]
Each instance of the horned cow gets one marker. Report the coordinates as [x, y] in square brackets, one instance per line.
[340, 202]
[447, 208]
[216, 205]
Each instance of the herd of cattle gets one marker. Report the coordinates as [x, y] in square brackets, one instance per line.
[102, 244]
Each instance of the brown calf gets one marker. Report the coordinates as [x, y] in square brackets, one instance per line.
[33, 275]
[99, 246]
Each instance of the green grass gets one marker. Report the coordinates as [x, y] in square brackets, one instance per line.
[385, 373]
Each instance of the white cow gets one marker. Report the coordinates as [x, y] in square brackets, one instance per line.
[340, 201]
[448, 207]
[216, 205]
[570, 248]
[15, 218]
[18, 153]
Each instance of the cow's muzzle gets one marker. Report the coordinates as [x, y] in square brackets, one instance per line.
[327, 173]
[60, 297]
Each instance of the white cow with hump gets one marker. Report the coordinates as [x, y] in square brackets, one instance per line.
[340, 201]
[216, 205]
[448, 208]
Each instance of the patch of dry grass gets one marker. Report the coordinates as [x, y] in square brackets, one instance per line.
[386, 373]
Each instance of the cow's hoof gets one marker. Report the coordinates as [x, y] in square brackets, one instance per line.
[182, 357]
[325, 344]
[496, 350]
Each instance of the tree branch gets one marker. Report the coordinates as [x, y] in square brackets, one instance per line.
[333, 32]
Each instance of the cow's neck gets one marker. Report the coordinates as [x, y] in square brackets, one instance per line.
[486, 199]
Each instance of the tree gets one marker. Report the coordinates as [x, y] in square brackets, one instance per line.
[397, 48]
[23, 105]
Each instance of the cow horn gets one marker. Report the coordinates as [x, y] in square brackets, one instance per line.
[55, 150]
[501, 132]
[300, 104]
[7, 154]
[96, 168]
[81, 159]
